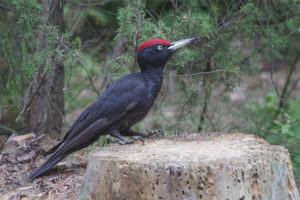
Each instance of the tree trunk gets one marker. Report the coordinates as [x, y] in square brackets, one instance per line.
[228, 166]
[46, 110]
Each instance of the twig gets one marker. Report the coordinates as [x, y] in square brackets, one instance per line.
[174, 4]
[26, 105]
[5, 108]
[76, 57]
[151, 15]
[8, 106]
[6, 7]
[196, 74]
[206, 97]
[224, 24]
[178, 123]
[138, 30]
[211, 122]
[102, 3]
[272, 71]
[295, 84]
[58, 110]
[284, 93]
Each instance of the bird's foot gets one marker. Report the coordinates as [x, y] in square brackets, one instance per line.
[140, 138]
[129, 141]
[158, 133]
[154, 133]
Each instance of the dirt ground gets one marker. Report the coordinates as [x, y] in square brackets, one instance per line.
[20, 158]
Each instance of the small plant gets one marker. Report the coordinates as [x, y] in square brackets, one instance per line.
[285, 130]
[287, 133]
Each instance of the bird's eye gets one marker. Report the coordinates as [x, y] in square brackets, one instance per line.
[159, 47]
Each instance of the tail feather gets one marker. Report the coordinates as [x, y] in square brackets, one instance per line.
[48, 164]
[53, 149]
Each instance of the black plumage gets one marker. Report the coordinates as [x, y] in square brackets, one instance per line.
[123, 104]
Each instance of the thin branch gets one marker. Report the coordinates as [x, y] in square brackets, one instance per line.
[195, 74]
[224, 24]
[293, 87]
[102, 3]
[50, 100]
[151, 15]
[205, 83]
[28, 102]
[174, 4]
[77, 58]
[284, 93]
[8, 106]
[214, 71]
[6, 7]
[272, 72]
[211, 122]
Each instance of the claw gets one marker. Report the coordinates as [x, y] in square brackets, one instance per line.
[159, 133]
[128, 141]
[140, 138]
[156, 133]
[123, 142]
[116, 141]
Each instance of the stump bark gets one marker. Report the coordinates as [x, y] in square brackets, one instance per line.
[223, 166]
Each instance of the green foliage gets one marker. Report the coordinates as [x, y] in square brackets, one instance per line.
[28, 18]
[215, 52]
[286, 132]
[283, 131]
[117, 67]
[27, 44]
[261, 112]
[29, 13]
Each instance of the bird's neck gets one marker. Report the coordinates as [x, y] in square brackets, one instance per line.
[153, 73]
[154, 78]
[156, 71]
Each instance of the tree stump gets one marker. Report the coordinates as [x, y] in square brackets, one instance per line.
[222, 166]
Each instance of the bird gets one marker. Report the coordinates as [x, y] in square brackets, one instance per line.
[123, 104]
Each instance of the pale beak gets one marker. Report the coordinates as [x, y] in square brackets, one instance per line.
[181, 43]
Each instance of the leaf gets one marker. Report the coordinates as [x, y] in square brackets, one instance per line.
[5, 128]
[285, 129]
[290, 25]
[295, 110]
[272, 139]
[297, 159]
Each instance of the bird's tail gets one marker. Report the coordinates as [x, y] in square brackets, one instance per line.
[53, 149]
[48, 164]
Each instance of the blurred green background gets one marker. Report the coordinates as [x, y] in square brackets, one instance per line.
[241, 76]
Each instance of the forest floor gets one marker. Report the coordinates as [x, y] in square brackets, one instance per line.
[18, 158]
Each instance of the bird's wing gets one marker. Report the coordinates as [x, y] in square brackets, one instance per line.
[122, 97]
[84, 120]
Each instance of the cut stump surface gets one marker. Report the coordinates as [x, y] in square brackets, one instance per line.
[220, 166]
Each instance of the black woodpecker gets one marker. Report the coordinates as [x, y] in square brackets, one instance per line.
[123, 104]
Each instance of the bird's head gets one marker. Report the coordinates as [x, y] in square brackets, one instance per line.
[156, 52]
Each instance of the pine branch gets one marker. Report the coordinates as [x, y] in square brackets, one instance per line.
[138, 30]
[77, 58]
[195, 74]
[6, 7]
[102, 3]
